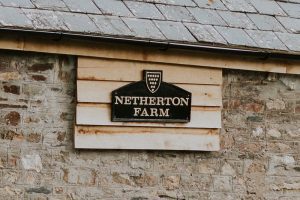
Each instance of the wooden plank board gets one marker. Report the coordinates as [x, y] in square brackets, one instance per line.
[127, 52]
[121, 70]
[100, 114]
[100, 92]
[102, 137]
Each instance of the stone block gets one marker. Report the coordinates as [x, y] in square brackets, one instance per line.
[222, 183]
[171, 182]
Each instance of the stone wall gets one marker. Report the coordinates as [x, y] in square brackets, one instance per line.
[260, 142]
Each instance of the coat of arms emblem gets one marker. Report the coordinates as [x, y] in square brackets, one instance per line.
[153, 79]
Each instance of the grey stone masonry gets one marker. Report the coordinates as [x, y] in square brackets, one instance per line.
[260, 15]
[259, 156]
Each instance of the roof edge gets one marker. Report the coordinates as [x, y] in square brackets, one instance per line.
[207, 47]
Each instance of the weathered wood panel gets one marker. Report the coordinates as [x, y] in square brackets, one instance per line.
[118, 51]
[121, 70]
[98, 137]
[100, 92]
[100, 114]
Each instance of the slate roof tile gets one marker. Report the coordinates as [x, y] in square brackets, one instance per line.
[292, 41]
[111, 25]
[239, 5]
[46, 19]
[291, 9]
[266, 22]
[205, 33]
[172, 2]
[216, 22]
[14, 17]
[266, 39]
[83, 6]
[144, 10]
[57, 5]
[268, 7]
[216, 4]
[176, 13]
[235, 36]
[78, 22]
[206, 16]
[175, 31]
[291, 24]
[143, 28]
[17, 3]
[113, 7]
[237, 20]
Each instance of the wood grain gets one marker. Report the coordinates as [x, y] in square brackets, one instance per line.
[98, 137]
[100, 114]
[122, 70]
[100, 92]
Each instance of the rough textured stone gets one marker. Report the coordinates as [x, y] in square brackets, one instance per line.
[260, 142]
[32, 162]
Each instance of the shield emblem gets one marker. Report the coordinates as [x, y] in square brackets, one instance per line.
[153, 80]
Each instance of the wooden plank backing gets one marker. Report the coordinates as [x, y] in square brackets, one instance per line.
[100, 114]
[121, 70]
[98, 137]
[100, 92]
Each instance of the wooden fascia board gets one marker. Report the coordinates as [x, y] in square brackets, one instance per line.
[149, 54]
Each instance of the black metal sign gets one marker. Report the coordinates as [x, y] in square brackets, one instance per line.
[151, 100]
